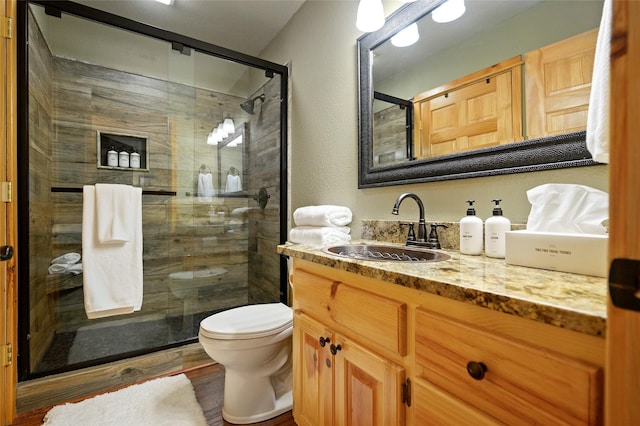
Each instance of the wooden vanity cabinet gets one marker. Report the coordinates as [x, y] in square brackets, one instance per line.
[339, 377]
[404, 359]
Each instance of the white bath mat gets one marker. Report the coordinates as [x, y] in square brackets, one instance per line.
[165, 401]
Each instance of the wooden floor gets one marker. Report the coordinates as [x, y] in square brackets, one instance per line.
[208, 383]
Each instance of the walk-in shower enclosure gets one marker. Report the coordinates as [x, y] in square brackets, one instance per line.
[91, 83]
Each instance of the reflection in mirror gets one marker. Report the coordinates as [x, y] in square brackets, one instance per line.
[392, 131]
[231, 162]
[488, 33]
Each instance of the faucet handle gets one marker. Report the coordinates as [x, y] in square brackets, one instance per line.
[433, 241]
[411, 235]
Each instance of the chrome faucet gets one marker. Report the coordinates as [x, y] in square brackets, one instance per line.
[422, 227]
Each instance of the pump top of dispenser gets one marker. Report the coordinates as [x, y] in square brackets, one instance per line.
[497, 210]
[471, 211]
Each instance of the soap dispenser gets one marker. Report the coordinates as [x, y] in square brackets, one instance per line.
[112, 158]
[495, 228]
[471, 232]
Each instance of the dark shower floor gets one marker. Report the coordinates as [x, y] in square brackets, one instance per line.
[94, 343]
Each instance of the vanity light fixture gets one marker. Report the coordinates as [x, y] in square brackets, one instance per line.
[370, 15]
[167, 2]
[229, 126]
[448, 11]
[406, 37]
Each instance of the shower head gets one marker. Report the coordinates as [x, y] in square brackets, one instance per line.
[249, 104]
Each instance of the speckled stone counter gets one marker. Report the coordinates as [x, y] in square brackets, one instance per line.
[572, 301]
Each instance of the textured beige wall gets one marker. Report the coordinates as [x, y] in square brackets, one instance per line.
[320, 44]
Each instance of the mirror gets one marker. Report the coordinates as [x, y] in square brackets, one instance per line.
[232, 162]
[488, 33]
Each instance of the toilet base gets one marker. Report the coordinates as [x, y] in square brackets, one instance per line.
[282, 405]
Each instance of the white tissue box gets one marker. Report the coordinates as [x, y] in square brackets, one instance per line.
[578, 253]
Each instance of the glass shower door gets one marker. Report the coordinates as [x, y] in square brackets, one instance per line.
[208, 244]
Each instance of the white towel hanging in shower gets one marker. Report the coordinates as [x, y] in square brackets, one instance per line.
[112, 272]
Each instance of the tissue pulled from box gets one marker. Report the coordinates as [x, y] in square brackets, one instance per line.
[567, 208]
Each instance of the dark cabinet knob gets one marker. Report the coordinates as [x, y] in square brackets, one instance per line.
[324, 340]
[335, 349]
[476, 369]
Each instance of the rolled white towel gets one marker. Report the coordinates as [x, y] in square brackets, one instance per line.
[64, 268]
[66, 258]
[324, 215]
[318, 236]
[58, 268]
[75, 269]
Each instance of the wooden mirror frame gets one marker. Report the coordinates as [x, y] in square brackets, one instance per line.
[561, 151]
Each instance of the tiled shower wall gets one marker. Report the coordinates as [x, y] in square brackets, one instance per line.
[42, 306]
[70, 101]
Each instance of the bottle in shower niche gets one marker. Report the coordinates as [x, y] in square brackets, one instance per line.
[471, 232]
[123, 159]
[134, 160]
[112, 158]
[495, 228]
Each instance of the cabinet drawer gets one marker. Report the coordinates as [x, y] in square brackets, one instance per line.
[522, 382]
[375, 320]
[436, 407]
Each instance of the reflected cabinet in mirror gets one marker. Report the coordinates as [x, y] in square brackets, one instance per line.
[502, 89]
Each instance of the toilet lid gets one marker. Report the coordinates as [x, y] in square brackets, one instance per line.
[248, 322]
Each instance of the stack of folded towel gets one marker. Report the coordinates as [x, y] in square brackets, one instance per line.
[321, 225]
[67, 263]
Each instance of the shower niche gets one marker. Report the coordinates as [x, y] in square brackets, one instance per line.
[122, 151]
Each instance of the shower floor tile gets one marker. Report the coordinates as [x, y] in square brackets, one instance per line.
[90, 344]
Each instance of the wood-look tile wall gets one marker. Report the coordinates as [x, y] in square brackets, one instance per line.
[42, 306]
[264, 225]
[178, 234]
[390, 134]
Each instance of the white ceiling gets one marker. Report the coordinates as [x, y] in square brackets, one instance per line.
[246, 26]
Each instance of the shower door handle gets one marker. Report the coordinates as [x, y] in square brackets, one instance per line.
[6, 252]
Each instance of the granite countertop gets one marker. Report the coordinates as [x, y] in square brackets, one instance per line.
[572, 301]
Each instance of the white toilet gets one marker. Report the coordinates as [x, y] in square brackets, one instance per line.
[253, 343]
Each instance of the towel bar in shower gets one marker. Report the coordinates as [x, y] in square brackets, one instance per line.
[144, 192]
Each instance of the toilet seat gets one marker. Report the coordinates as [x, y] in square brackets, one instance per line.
[248, 322]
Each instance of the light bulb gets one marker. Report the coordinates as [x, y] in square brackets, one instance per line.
[448, 11]
[406, 37]
[221, 131]
[370, 15]
[211, 139]
[229, 126]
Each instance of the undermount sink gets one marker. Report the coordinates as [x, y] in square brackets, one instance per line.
[386, 253]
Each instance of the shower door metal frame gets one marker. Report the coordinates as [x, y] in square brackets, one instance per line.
[56, 8]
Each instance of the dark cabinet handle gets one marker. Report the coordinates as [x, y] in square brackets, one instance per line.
[6, 252]
[335, 349]
[324, 340]
[476, 369]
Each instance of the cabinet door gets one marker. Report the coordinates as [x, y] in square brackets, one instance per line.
[312, 373]
[558, 85]
[479, 110]
[368, 388]
[476, 116]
